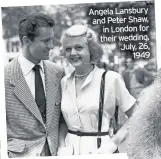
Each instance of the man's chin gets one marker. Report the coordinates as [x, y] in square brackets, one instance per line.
[46, 58]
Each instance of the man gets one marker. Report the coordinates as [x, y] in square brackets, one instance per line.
[144, 139]
[32, 89]
[135, 78]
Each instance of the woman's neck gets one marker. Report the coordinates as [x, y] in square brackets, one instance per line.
[84, 70]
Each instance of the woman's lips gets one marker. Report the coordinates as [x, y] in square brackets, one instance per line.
[75, 58]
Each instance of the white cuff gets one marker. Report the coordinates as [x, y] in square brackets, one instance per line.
[110, 147]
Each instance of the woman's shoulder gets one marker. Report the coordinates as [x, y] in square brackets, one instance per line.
[66, 78]
[113, 75]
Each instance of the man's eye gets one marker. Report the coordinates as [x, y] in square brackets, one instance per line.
[45, 40]
[79, 48]
[68, 49]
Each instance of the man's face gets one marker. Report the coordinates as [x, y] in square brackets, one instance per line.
[39, 48]
[129, 63]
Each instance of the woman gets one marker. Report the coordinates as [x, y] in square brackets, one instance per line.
[80, 96]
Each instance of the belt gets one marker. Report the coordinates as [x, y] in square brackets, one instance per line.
[79, 133]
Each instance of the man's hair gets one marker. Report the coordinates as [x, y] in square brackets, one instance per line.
[28, 25]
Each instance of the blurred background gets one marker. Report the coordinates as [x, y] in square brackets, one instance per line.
[137, 74]
[67, 15]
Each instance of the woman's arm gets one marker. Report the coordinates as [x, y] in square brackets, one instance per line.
[120, 136]
[127, 104]
[63, 149]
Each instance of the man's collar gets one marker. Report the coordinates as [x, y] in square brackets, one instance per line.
[27, 65]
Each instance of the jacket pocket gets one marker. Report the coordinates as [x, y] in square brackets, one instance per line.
[16, 145]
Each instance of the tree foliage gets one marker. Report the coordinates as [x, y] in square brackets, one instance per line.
[67, 15]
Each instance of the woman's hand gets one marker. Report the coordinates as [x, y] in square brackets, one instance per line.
[65, 151]
[109, 148]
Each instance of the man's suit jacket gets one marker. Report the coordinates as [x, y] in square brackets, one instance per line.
[144, 138]
[25, 126]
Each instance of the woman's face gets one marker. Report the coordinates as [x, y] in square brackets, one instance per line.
[76, 50]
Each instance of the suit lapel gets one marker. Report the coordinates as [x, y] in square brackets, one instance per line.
[52, 83]
[22, 90]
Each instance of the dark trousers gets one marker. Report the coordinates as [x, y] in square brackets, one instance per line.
[46, 150]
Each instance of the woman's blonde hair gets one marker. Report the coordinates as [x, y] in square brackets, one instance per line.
[95, 48]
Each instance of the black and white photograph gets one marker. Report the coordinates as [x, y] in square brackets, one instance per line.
[82, 79]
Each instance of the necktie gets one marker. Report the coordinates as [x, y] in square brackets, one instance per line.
[39, 92]
[41, 102]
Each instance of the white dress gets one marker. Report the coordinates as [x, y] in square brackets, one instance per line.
[81, 113]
